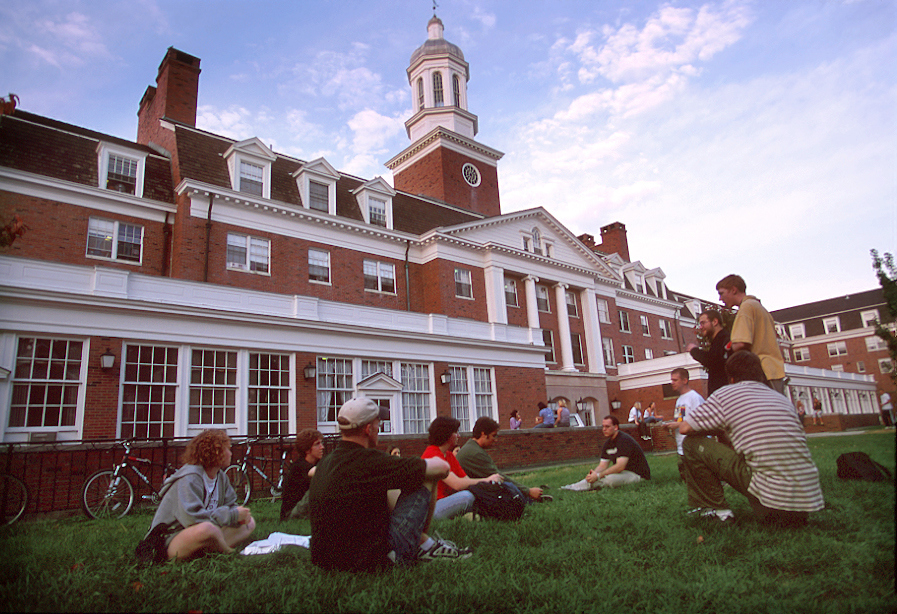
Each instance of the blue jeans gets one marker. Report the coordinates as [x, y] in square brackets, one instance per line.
[406, 523]
[456, 504]
[542, 425]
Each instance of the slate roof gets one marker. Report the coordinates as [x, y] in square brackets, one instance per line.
[44, 146]
[201, 157]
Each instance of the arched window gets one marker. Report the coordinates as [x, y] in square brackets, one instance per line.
[456, 89]
[420, 94]
[537, 241]
[438, 100]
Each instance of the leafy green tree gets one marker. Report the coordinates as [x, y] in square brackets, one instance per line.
[886, 272]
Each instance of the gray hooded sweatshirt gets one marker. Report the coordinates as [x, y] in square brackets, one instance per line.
[183, 501]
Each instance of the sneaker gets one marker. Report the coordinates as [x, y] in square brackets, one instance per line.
[443, 550]
[546, 499]
[696, 511]
[723, 516]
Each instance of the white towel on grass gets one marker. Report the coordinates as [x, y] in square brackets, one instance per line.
[275, 542]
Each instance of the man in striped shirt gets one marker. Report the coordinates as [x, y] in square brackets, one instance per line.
[770, 463]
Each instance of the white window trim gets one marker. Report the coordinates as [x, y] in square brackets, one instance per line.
[247, 265]
[797, 331]
[603, 316]
[378, 290]
[322, 172]
[469, 283]
[837, 348]
[869, 318]
[103, 152]
[630, 354]
[607, 346]
[329, 281]
[826, 321]
[628, 329]
[572, 309]
[645, 323]
[666, 329]
[260, 155]
[513, 283]
[554, 358]
[801, 354]
[547, 299]
[576, 340]
[114, 257]
[377, 189]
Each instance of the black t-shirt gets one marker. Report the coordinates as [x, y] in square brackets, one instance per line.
[348, 509]
[624, 445]
[295, 484]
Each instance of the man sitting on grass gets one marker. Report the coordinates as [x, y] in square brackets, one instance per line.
[770, 463]
[622, 461]
[477, 463]
[352, 525]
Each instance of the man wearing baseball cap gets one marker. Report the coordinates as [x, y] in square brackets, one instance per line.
[353, 525]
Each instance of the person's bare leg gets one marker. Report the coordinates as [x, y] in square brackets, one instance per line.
[238, 534]
[196, 540]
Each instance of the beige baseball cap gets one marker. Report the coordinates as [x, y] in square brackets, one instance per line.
[359, 411]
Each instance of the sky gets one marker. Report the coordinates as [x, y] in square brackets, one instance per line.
[734, 136]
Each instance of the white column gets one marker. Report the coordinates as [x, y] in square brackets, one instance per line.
[496, 307]
[560, 294]
[594, 348]
[532, 309]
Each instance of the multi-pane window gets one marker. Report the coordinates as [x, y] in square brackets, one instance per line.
[269, 394]
[121, 174]
[603, 313]
[319, 265]
[666, 331]
[608, 347]
[649, 354]
[875, 344]
[456, 90]
[511, 293]
[576, 343]
[379, 276]
[838, 348]
[861, 366]
[797, 331]
[801, 354]
[334, 386]
[377, 211]
[213, 388]
[247, 253]
[463, 287]
[572, 311]
[645, 328]
[420, 94]
[252, 178]
[832, 325]
[149, 391]
[537, 241]
[318, 196]
[548, 340]
[628, 354]
[438, 99]
[624, 321]
[114, 240]
[837, 368]
[371, 367]
[542, 299]
[46, 383]
[471, 387]
[415, 398]
[884, 365]
[869, 318]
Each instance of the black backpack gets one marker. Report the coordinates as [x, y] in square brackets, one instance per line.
[858, 466]
[496, 501]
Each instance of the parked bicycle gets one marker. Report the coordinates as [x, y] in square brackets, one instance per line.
[109, 493]
[13, 498]
[240, 476]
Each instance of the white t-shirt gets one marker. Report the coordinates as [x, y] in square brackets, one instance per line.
[685, 404]
[211, 485]
[634, 414]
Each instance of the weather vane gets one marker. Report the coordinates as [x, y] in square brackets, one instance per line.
[434, 6]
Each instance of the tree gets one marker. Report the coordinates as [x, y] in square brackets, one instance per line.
[886, 272]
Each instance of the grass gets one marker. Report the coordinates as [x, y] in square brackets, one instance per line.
[610, 551]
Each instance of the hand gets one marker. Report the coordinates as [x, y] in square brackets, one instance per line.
[535, 493]
[592, 477]
[495, 478]
[244, 515]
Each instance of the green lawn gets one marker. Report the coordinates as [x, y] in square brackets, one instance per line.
[609, 551]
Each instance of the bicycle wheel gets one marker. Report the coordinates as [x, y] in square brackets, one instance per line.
[107, 496]
[241, 483]
[13, 498]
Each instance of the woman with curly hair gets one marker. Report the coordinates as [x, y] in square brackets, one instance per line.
[198, 513]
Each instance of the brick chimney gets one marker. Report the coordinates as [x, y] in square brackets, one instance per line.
[173, 98]
[613, 240]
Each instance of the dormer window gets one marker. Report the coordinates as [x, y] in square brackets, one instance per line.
[438, 99]
[249, 164]
[252, 178]
[318, 196]
[120, 169]
[375, 202]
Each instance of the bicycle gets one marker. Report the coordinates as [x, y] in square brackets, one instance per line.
[239, 474]
[13, 498]
[110, 494]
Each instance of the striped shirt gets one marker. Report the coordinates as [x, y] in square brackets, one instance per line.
[764, 427]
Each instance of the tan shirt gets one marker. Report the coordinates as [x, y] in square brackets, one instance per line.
[754, 325]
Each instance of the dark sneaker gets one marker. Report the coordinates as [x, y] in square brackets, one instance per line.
[546, 499]
[443, 550]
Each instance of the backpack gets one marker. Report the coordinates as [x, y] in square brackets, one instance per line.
[496, 501]
[858, 466]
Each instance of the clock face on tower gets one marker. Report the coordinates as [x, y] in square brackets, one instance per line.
[471, 174]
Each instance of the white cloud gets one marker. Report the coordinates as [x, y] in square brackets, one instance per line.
[235, 122]
[372, 130]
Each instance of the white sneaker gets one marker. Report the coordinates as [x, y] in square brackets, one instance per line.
[579, 486]
[443, 550]
[724, 516]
